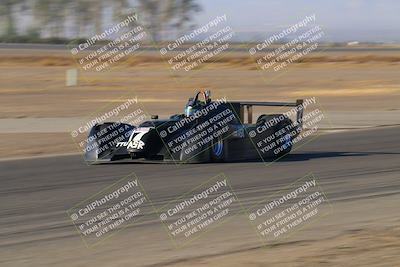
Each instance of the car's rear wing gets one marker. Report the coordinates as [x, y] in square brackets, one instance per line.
[241, 106]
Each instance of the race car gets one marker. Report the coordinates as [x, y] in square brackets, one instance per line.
[207, 131]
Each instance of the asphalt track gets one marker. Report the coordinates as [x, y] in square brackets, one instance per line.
[35, 193]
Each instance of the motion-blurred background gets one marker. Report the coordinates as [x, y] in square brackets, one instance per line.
[57, 21]
[46, 92]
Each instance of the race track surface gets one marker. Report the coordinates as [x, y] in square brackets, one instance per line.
[35, 194]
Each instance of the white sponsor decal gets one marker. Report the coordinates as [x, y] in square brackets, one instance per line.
[135, 141]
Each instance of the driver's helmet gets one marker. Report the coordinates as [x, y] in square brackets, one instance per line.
[194, 104]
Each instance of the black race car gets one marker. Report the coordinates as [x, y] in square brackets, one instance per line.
[208, 131]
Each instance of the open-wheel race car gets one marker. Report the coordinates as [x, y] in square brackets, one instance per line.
[207, 131]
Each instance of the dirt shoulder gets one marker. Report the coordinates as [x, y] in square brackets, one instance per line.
[364, 247]
[342, 238]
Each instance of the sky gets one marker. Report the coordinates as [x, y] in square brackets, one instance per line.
[342, 20]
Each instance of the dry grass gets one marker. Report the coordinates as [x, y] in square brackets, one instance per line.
[230, 60]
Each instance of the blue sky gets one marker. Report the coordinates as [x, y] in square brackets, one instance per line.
[342, 20]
